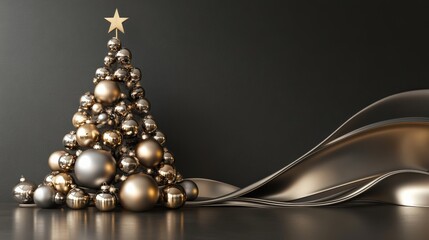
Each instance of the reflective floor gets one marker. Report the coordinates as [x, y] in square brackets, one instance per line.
[363, 222]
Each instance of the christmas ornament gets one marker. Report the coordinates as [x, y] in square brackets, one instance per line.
[138, 192]
[23, 191]
[191, 189]
[115, 143]
[105, 200]
[44, 196]
[53, 161]
[173, 196]
[94, 167]
[87, 135]
[62, 182]
[149, 152]
[77, 198]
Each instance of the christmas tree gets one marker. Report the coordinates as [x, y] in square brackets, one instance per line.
[116, 154]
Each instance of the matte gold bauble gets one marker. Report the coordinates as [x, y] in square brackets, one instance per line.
[53, 160]
[79, 118]
[94, 167]
[87, 135]
[138, 192]
[149, 152]
[62, 182]
[173, 196]
[107, 92]
[112, 138]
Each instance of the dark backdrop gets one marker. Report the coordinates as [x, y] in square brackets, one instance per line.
[241, 88]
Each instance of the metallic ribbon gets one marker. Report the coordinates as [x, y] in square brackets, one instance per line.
[380, 155]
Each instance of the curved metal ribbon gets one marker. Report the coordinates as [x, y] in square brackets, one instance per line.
[380, 155]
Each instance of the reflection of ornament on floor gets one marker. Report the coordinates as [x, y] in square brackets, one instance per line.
[116, 144]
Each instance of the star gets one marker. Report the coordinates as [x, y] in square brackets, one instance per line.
[116, 22]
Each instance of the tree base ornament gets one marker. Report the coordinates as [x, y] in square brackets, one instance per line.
[116, 156]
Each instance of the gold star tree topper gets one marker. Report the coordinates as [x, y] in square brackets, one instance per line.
[116, 23]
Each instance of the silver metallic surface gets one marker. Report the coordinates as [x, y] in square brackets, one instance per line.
[191, 189]
[77, 199]
[94, 167]
[23, 191]
[44, 196]
[368, 159]
[105, 201]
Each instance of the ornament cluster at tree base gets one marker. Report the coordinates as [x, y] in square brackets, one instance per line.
[116, 155]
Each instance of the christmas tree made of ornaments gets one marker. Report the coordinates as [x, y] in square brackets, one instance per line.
[116, 156]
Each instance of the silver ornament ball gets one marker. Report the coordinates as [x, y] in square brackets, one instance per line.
[23, 191]
[94, 167]
[44, 196]
[191, 189]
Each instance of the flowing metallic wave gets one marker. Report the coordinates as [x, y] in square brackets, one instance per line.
[380, 155]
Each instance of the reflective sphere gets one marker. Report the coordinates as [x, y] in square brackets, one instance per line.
[79, 118]
[121, 74]
[105, 201]
[128, 164]
[160, 137]
[86, 101]
[168, 173]
[44, 197]
[112, 138]
[97, 108]
[124, 56]
[149, 152]
[53, 160]
[191, 189]
[129, 127]
[138, 192]
[137, 92]
[48, 178]
[149, 125]
[121, 109]
[77, 199]
[70, 140]
[108, 60]
[135, 74]
[59, 198]
[102, 118]
[62, 182]
[173, 196]
[168, 158]
[107, 92]
[114, 44]
[23, 191]
[101, 73]
[94, 167]
[87, 135]
[66, 162]
[142, 105]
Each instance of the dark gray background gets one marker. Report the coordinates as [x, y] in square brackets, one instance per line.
[241, 88]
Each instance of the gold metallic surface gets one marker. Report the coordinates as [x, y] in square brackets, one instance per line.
[53, 160]
[139, 192]
[107, 92]
[149, 152]
[105, 202]
[87, 135]
[79, 118]
[62, 182]
[112, 138]
[77, 199]
[173, 196]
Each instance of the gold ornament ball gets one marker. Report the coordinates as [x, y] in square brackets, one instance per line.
[87, 135]
[149, 152]
[139, 192]
[130, 127]
[77, 199]
[53, 160]
[173, 196]
[62, 182]
[168, 173]
[107, 92]
[79, 118]
[105, 201]
[112, 138]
